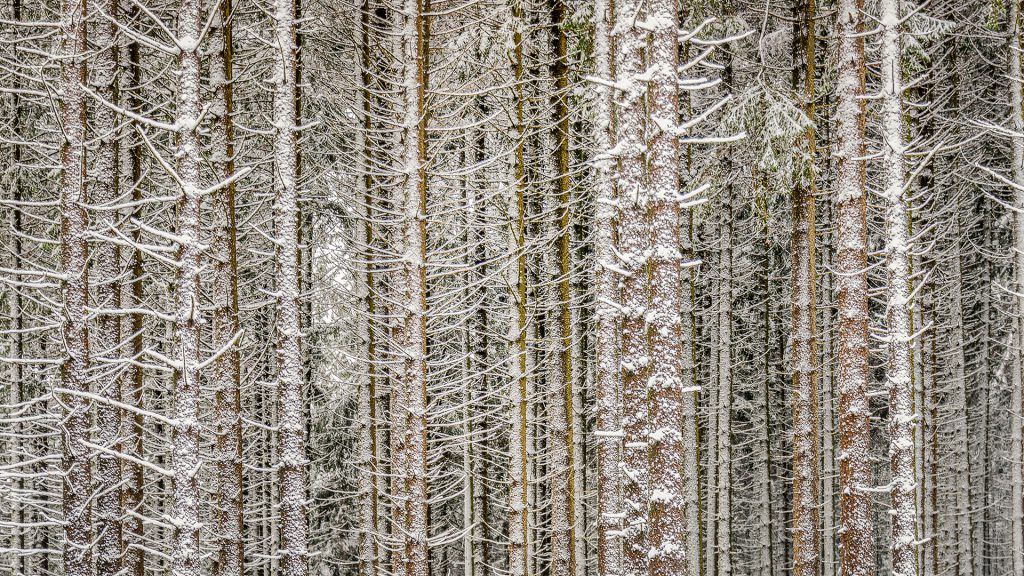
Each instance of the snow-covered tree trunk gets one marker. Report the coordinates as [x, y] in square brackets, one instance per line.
[691, 395]
[633, 246]
[1015, 75]
[367, 456]
[724, 392]
[74, 291]
[227, 368]
[17, 448]
[609, 407]
[519, 541]
[902, 420]
[804, 354]
[106, 257]
[560, 384]
[666, 453]
[184, 517]
[854, 426]
[132, 494]
[409, 398]
[828, 461]
[766, 556]
[291, 424]
[959, 463]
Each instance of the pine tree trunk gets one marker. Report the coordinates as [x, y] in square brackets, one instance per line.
[563, 489]
[722, 535]
[369, 505]
[519, 558]
[19, 446]
[227, 369]
[409, 399]
[856, 539]
[609, 406]
[132, 497]
[76, 465]
[961, 541]
[187, 556]
[107, 256]
[291, 415]
[1016, 408]
[666, 385]
[804, 355]
[902, 422]
[634, 243]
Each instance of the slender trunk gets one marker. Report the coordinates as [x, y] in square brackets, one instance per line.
[828, 376]
[227, 369]
[609, 406]
[856, 541]
[902, 422]
[961, 461]
[723, 406]
[76, 466]
[563, 490]
[519, 559]
[135, 558]
[369, 506]
[804, 355]
[19, 446]
[1016, 408]
[766, 556]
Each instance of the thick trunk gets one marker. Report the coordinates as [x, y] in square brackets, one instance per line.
[134, 533]
[560, 383]
[187, 557]
[76, 466]
[666, 385]
[519, 559]
[291, 425]
[106, 256]
[856, 541]
[409, 399]
[902, 422]
[369, 505]
[633, 246]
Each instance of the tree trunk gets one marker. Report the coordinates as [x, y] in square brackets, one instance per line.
[409, 399]
[107, 259]
[76, 466]
[291, 425]
[369, 505]
[902, 421]
[666, 385]
[187, 555]
[856, 539]
[804, 355]
[634, 243]
[1016, 408]
[227, 369]
[135, 557]
[609, 406]
[519, 560]
[560, 383]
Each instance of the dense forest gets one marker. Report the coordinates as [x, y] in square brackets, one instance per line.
[511, 288]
